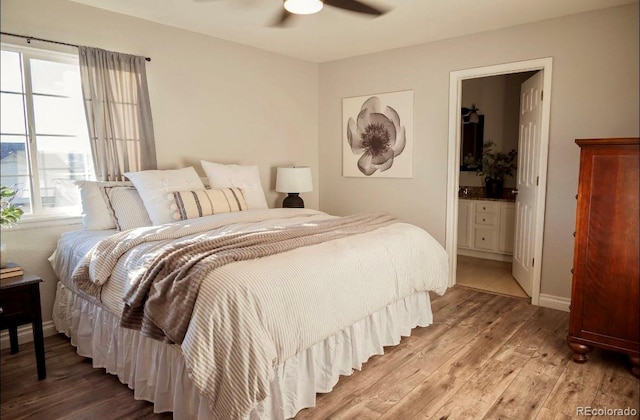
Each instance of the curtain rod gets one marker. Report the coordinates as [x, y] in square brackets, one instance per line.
[29, 38]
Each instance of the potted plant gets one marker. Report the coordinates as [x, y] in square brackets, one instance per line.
[10, 213]
[495, 167]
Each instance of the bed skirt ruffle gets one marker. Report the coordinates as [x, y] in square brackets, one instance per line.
[156, 371]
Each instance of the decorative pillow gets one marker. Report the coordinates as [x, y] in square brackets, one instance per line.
[125, 206]
[95, 214]
[154, 185]
[247, 178]
[192, 204]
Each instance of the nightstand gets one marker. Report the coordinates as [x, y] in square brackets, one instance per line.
[20, 304]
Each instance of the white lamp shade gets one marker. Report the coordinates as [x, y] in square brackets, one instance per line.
[296, 179]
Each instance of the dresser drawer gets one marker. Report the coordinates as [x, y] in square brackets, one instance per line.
[488, 219]
[485, 238]
[486, 207]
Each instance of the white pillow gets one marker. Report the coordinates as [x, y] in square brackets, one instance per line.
[247, 178]
[125, 206]
[153, 187]
[95, 214]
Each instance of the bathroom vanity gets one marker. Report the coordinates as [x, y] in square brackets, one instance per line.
[486, 226]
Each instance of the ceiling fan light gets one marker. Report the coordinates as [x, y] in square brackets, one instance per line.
[303, 7]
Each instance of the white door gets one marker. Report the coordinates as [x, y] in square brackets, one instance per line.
[527, 180]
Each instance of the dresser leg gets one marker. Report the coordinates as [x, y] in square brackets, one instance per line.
[635, 369]
[579, 351]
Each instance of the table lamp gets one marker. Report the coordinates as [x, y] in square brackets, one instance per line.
[293, 180]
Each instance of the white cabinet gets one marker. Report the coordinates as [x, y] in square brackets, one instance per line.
[486, 229]
[485, 238]
[486, 207]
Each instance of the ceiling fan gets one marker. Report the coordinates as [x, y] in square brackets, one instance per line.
[308, 7]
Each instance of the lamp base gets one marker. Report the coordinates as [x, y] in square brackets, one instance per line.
[293, 201]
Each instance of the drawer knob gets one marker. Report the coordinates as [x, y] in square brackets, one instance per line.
[572, 271]
[483, 239]
[484, 220]
[574, 234]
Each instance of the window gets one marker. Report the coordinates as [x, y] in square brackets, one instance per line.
[43, 130]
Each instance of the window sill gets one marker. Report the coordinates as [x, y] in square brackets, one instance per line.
[39, 222]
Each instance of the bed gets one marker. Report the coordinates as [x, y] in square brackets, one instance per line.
[265, 334]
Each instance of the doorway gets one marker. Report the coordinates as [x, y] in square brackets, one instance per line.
[486, 226]
[455, 119]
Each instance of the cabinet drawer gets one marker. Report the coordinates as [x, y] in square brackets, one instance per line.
[486, 207]
[486, 219]
[485, 238]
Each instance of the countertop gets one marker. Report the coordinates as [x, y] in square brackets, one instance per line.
[479, 193]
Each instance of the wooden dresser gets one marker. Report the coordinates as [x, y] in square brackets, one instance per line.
[604, 297]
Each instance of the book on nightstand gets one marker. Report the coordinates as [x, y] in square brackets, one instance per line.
[10, 270]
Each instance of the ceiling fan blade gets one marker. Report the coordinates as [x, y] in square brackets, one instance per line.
[356, 6]
[282, 19]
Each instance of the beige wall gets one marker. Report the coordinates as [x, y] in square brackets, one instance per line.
[211, 99]
[31, 247]
[595, 94]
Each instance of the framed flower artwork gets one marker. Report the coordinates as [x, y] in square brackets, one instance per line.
[377, 133]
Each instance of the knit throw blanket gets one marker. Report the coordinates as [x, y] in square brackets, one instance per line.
[160, 301]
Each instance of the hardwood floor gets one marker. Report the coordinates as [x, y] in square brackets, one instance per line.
[485, 356]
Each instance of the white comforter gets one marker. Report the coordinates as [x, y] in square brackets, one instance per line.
[252, 315]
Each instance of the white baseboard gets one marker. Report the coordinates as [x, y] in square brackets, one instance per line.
[554, 302]
[25, 333]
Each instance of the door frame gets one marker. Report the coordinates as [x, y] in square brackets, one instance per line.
[453, 179]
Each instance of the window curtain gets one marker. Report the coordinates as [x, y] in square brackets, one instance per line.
[118, 112]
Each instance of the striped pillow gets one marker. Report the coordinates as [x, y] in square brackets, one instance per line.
[125, 206]
[192, 204]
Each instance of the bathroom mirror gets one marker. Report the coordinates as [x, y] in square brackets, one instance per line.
[471, 147]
